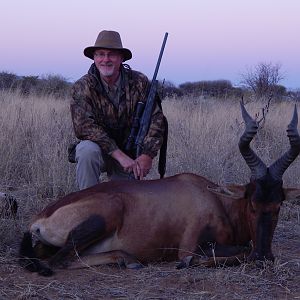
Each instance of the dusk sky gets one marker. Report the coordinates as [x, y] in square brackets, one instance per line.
[208, 39]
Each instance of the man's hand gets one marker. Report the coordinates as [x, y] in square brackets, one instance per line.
[129, 165]
[140, 167]
[144, 162]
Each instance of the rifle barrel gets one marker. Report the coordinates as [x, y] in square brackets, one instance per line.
[160, 56]
[143, 112]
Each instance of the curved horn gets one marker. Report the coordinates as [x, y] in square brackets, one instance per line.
[281, 164]
[257, 167]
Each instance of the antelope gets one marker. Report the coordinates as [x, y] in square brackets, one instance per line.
[185, 218]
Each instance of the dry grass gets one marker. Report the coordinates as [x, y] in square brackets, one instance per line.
[34, 135]
[204, 138]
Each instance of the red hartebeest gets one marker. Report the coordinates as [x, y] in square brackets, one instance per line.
[185, 217]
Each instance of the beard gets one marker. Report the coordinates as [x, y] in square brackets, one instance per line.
[106, 70]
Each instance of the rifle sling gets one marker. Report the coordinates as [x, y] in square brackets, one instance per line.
[163, 151]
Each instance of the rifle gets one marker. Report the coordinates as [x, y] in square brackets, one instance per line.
[143, 113]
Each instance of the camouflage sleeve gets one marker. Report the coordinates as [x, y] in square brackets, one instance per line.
[154, 137]
[84, 121]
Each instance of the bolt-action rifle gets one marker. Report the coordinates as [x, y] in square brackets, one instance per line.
[143, 113]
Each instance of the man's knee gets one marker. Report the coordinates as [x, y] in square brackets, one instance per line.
[88, 150]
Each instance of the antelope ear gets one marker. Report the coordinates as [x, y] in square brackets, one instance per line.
[292, 194]
[230, 191]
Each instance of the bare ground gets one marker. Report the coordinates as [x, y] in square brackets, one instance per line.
[280, 280]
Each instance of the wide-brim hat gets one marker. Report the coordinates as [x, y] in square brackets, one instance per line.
[108, 40]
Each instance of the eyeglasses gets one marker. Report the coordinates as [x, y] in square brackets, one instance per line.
[110, 55]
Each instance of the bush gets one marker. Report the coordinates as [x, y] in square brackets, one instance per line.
[8, 80]
[49, 85]
[213, 88]
[54, 85]
[168, 89]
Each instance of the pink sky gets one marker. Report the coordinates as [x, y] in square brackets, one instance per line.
[208, 39]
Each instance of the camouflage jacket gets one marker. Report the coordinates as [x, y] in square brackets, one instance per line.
[97, 119]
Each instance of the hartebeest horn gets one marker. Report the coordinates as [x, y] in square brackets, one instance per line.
[257, 167]
[280, 165]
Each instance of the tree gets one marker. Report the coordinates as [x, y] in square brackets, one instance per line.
[263, 79]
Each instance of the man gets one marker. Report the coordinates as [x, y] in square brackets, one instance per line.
[102, 109]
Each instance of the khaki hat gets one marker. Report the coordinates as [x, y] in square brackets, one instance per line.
[108, 40]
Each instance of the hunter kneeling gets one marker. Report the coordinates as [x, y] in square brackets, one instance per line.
[108, 106]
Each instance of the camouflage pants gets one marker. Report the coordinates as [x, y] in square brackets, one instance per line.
[91, 161]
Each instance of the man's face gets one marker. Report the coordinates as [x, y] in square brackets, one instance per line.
[108, 62]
